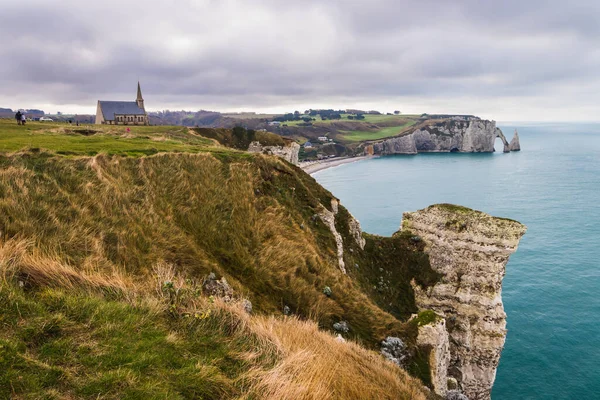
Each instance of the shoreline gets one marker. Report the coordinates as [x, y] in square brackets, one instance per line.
[310, 167]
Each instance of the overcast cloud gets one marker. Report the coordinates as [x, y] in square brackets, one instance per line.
[503, 60]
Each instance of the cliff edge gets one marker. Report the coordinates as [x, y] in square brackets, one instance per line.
[470, 250]
[447, 136]
[189, 265]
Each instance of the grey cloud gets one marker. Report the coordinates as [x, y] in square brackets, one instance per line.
[270, 53]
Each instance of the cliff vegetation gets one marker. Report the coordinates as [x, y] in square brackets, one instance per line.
[156, 263]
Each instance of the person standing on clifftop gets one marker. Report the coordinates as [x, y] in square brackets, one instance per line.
[18, 116]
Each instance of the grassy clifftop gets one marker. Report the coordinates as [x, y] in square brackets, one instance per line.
[88, 242]
[68, 139]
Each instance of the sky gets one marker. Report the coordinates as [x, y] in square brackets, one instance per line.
[526, 60]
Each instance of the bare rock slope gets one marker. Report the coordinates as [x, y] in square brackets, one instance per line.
[470, 249]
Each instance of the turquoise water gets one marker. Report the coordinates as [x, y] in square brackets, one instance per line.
[551, 290]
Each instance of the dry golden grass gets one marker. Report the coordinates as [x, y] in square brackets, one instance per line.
[118, 225]
[291, 359]
[302, 361]
[241, 218]
[21, 261]
[316, 365]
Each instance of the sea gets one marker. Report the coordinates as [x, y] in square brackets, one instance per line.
[551, 290]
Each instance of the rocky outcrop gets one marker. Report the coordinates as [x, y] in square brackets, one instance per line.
[394, 349]
[458, 136]
[514, 143]
[397, 145]
[328, 218]
[499, 134]
[288, 153]
[471, 136]
[434, 335]
[211, 286]
[455, 395]
[356, 232]
[470, 250]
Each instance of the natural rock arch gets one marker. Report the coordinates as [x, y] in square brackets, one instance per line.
[500, 135]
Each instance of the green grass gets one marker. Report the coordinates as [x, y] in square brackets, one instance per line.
[374, 118]
[246, 217]
[63, 344]
[369, 118]
[426, 317]
[69, 140]
[249, 218]
[54, 342]
[356, 136]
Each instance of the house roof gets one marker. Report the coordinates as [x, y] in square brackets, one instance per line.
[110, 108]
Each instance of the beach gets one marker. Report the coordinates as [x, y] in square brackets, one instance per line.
[310, 167]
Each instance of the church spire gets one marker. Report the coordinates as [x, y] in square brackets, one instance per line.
[140, 99]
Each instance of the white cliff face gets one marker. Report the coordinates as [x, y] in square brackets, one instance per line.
[328, 218]
[288, 153]
[470, 249]
[473, 136]
[356, 232]
[398, 145]
[435, 336]
[460, 136]
[514, 143]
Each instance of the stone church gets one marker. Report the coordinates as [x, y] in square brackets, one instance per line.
[122, 112]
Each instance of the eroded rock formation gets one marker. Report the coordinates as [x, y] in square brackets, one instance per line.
[288, 153]
[435, 335]
[328, 218]
[499, 134]
[470, 249]
[514, 143]
[472, 136]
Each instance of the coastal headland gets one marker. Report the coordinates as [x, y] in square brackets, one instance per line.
[170, 253]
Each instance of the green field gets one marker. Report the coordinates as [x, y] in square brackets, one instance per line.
[92, 139]
[356, 136]
[369, 118]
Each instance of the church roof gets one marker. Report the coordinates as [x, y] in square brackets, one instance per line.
[110, 108]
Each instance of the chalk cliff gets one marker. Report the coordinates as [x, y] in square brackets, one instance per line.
[514, 143]
[435, 335]
[472, 136]
[398, 145]
[470, 249]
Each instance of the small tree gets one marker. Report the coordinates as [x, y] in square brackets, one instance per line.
[250, 135]
[397, 112]
[239, 137]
